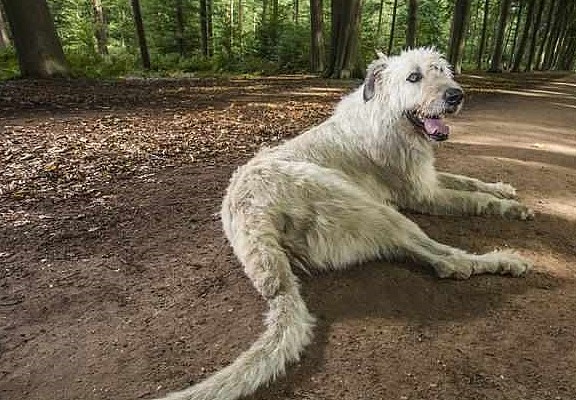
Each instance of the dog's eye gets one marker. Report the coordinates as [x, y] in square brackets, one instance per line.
[414, 77]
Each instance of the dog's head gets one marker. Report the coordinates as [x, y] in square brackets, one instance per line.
[418, 85]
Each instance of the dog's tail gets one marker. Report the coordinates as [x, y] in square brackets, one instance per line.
[288, 331]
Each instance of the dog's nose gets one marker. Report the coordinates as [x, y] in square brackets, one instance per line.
[453, 96]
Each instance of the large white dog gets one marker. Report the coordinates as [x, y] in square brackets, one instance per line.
[330, 198]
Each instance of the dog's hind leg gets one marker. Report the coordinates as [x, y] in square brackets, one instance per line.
[350, 234]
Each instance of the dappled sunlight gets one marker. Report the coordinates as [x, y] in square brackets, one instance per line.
[564, 207]
[529, 93]
[518, 135]
[563, 105]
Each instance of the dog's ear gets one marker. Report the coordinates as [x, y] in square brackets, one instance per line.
[380, 54]
[373, 74]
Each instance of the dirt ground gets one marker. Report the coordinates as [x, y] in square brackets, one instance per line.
[116, 282]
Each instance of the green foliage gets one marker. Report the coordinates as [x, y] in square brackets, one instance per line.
[8, 64]
[245, 37]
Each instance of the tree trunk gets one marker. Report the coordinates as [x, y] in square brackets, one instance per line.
[4, 36]
[392, 27]
[525, 35]
[180, 28]
[458, 34]
[317, 29]
[412, 23]
[546, 35]
[554, 35]
[37, 44]
[296, 11]
[210, 27]
[344, 60]
[516, 31]
[100, 27]
[140, 34]
[483, 36]
[204, 27]
[240, 24]
[496, 63]
[379, 28]
[563, 36]
[534, 37]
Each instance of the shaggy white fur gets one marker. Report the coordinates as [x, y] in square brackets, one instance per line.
[329, 198]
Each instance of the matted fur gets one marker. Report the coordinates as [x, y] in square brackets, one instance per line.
[330, 198]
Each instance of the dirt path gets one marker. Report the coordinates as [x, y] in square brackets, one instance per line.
[127, 289]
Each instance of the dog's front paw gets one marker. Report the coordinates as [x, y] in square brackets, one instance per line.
[502, 190]
[514, 210]
[506, 263]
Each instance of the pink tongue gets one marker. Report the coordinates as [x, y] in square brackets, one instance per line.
[435, 126]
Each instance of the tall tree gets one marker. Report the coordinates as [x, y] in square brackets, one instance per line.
[344, 55]
[483, 35]
[496, 62]
[520, 51]
[100, 27]
[140, 34]
[317, 30]
[180, 28]
[555, 34]
[204, 28]
[412, 23]
[534, 37]
[392, 27]
[4, 36]
[37, 44]
[553, 4]
[460, 20]
[380, 12]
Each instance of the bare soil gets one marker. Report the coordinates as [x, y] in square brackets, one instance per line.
[116, 282]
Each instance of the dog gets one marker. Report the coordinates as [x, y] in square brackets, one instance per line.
[330, 198]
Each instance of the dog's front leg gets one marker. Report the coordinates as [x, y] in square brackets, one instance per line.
[459, 182]
[459, 202]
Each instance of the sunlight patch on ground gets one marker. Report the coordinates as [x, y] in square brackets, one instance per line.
[533, 93]
[517, 135]
[563, 207]
[562, 84]
[563, 105]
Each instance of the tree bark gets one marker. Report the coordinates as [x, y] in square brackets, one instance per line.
[554, 35]
[100, 27]
[4, 36]
[516, 31]
[566, 22]
[483, 36]
[525, 35]
[317, 29]
[180, 28]
[496, 63]
[546, 36]
[380, 12]
[296, 11]
[37, 44]
[204, 27]
[534, 37]
[344, 60]
[140, 34]
[392, 27]
[460, 21]
[412, 23]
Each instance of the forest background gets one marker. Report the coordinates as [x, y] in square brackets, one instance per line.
[112, 38]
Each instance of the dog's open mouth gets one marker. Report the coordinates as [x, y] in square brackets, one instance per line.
[432, 126]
